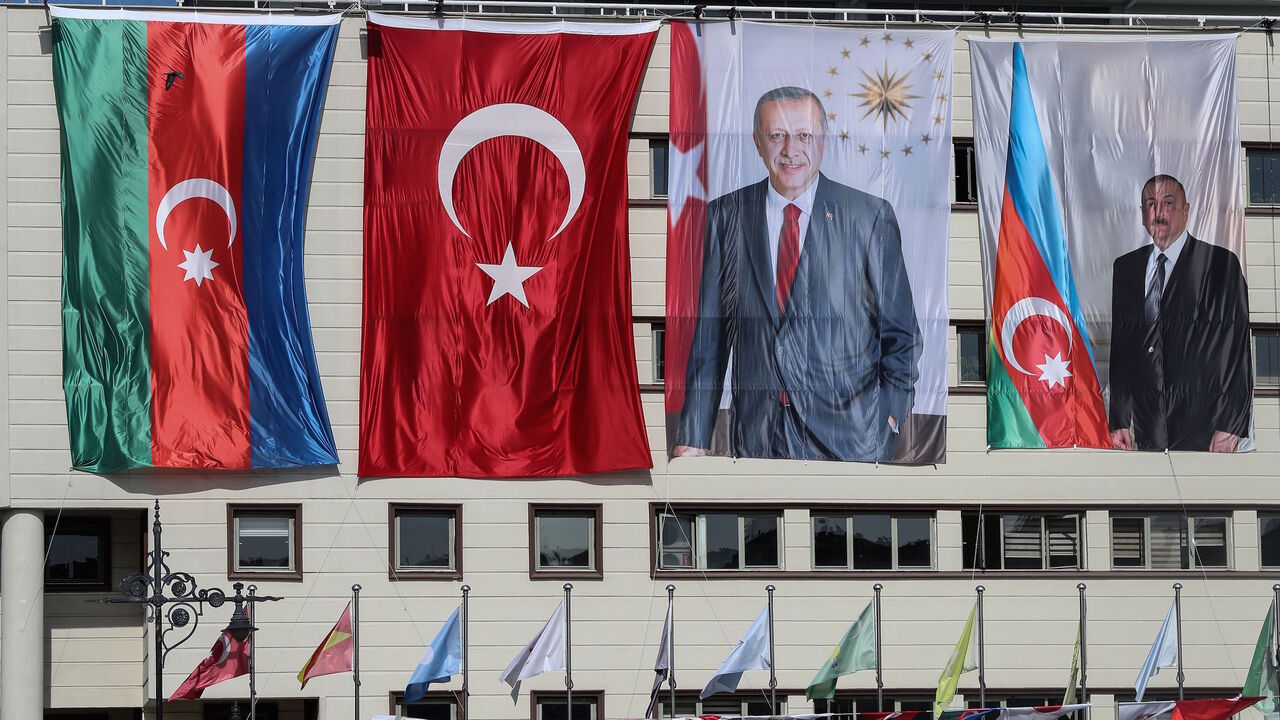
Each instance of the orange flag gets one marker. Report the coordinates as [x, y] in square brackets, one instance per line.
[334, 653]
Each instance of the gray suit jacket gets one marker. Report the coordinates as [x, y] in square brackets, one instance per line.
[846, 351]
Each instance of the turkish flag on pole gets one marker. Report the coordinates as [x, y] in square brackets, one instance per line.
[497, 302]
[229, 658]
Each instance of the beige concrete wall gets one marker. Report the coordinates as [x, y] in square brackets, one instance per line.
[96, 659]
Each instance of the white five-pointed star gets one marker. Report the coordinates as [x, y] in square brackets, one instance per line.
[199, 265]
[508, 278]
[685, 183]
[1054, 370]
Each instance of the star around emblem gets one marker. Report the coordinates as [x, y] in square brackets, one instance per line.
[508, 278]
[1054, 370]
[199, 265]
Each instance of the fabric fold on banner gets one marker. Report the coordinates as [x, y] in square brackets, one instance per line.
[807, 234]
[334, 654]
[186, 337]
[229, 658]
[441, 660]
[497, 335]
[751, 653]
[1163, 653]
[545, 652]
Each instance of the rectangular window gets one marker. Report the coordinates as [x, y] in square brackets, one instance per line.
[425, 542]
[720, 540]
[555, 706]
[1022, 541]
[1264, 175]
[435, 706]
[872, 541]
[565, 540]
[659, 334]
[78, 553]
[1269, 529]
[220, 710]
[658, 167]
[850, 708]
[264, 541]
[1266, 357]
[971, 353]
[745, 705]
[1170, 541]
[966, 171]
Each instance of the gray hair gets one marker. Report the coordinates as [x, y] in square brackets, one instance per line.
[787, 92]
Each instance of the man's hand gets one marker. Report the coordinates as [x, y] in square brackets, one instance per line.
[893, 424]
[1122, 439]
[688, 451]
[1223, 442]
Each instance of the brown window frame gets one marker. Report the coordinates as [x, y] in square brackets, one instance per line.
[235, 573]
[396, 698]
[393, 572]
[535, 696]
[593, 573]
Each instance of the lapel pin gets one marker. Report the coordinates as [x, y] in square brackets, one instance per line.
[830, 217]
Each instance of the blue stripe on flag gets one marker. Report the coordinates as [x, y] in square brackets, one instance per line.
[286, 73]
[1030, 184]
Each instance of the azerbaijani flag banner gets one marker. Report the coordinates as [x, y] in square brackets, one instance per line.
[1112, 230]
[187, 145]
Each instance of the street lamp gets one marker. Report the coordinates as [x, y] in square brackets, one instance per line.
[183, 606]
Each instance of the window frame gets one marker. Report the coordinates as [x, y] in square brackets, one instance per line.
[650, 144]
[537, 697]
[237, 573]
[396, 699]
[1046, 555]
[697, 543]
[1269, 385]
[894, 516]
[394, 572]
[99, 525]
[894, 700]
[970, 326]
[658, 338]
[1188, 520]
[1264, 147]
[595, 548]
[742, 696]
[1261, 559]
[957, 145]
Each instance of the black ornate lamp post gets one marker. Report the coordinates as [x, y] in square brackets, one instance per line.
[182, 607]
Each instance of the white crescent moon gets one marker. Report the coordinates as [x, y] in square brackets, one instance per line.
[195, 188]
[511, 120]
[1022, 310]
[226, 649]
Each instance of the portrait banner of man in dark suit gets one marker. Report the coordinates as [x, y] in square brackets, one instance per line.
[808, 338]
[1181, 373]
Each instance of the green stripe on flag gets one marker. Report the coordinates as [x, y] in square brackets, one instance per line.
[1009, 425]
[99, 78]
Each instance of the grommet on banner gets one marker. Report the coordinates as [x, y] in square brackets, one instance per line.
[733, 13]
[697, 10]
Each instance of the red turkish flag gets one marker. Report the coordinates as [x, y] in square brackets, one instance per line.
[229, 658]
[497, 290]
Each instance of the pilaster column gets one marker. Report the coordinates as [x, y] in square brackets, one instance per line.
[22, 615]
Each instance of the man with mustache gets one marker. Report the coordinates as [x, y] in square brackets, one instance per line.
[805, 291]
[1181, 374]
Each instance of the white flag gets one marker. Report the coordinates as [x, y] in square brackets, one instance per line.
[661, 667]
[752, 653]
[543, 653]
[1164, 652]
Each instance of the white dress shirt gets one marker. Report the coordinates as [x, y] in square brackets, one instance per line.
[1172, 254]
[775, 204]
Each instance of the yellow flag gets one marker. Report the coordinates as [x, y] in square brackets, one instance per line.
[1069, 698]
[963, 659]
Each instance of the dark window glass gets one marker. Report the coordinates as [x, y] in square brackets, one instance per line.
[429, 710]
[1269, 526]
[1063, 533]
[1266, 357]
[553, 708]
[966, 172]
[872, 542]
[913, 542]
[564, 540]
[1168, 541]
[973, 354]
[222, 710]
[830, 542]
[1264, 176]
[424, 540]
[722, 541]
[677, 541]
[658, 167]
[1210, 540]
[1128, 542]
[1023, 548]
[760, 536]
[659, 354]
[76, 554]
[263, 540]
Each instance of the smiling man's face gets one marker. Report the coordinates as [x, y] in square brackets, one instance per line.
[790, 141]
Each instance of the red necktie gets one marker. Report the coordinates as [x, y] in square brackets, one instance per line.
[788, 254]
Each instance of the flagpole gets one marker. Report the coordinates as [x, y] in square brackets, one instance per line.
[355, 645]
[1177, 609]
[253, 675]
[1084, 649]
[982, 652]
[879, 666]
[466, 641]
[671, 647]
[773, 675]
[568, 651]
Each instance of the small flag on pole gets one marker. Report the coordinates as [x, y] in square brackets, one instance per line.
[855, 651]
[441, 660]
[1164, 652]
[229, 658]
[751, 653]
[1073, 677]
[1262, 679]
[964, 657]
[661, 667]
[545, 652]
[334, 653]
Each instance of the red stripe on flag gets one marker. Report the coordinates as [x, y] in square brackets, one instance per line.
[1068, 411]
[199, 331]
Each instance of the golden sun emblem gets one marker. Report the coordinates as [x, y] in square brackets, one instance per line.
[885, 95]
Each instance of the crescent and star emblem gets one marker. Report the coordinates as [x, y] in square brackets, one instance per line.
[1054, 370]
[224, 648]
[199, 265]
[511, 120]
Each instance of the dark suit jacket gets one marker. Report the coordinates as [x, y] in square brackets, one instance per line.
[1190, 375]
[846, 350]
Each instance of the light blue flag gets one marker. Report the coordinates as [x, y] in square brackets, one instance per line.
[1164, 652]
[752, 653]
[441, 661]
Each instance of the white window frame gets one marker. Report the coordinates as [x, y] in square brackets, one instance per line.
[291, 519]
[1045, 548]
[893, 539]
[588, 515]
[698, 543]
[1188, 522]
[452, 516]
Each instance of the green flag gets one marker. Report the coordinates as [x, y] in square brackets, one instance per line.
[963, 659]
[1069, 697]
[1262, 679]
[857, 651]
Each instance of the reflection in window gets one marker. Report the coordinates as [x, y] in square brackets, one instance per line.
[566, 540]
[875, 541]
[1170, 541]
[719, 541]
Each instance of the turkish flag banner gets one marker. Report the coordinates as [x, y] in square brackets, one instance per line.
[497, 305]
